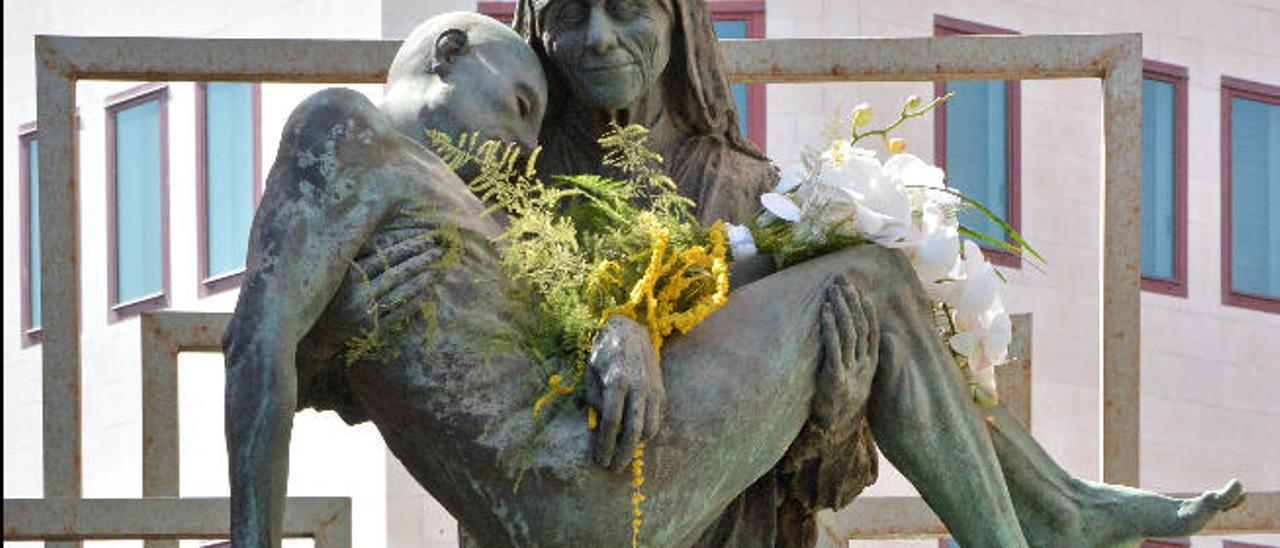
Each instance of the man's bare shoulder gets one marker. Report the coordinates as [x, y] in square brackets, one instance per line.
[337, 144]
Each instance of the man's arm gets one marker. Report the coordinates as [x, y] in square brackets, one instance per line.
[323, 201]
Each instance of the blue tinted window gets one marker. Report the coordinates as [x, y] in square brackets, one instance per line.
[33, 230]
[736, 28]
[229, 174]
[1255, 197]
[1158, 157]
[139, 257]
[977, 150]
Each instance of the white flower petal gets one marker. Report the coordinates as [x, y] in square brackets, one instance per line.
[985, 381]
[740, 241]
[792, 177]
[781, 206]
[913, 171]
[998, 337]
[937, 255]
[870, 222]
[966, 343]
[980, 282]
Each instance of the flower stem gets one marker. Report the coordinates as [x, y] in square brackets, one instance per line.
[902, 117]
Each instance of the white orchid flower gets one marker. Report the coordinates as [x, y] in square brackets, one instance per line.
[979, 283]
[938, 253]
[740, 241]
[793, 176]
[780, 206]
[853, 186]
[983, 328]
[923, 180]
[841, 156]
[983, 338]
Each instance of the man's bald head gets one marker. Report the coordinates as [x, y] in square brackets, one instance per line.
[465, 72]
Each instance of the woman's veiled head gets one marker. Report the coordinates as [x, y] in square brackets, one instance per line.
[609, 52]
[672, 47]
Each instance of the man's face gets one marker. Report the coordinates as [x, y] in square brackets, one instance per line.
[610, 51]
[495, 87]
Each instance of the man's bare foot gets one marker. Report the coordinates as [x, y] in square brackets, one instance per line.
[1195, 513]
[1110, 515]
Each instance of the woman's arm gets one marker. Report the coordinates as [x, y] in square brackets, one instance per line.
[324, 199]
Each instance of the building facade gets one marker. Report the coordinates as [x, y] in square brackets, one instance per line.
[170, 173]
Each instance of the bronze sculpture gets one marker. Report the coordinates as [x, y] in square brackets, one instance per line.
[343, 187]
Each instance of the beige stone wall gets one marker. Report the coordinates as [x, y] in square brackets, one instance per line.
[112, 414]
[1211, 373]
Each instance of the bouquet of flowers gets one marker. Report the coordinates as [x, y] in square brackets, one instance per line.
[585, 251]
[844, 195]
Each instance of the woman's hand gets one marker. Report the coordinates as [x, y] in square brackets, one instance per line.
[624, 383]
[379, 290]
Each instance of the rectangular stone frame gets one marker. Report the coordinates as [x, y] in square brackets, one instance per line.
[327, 520]
[1114, 59]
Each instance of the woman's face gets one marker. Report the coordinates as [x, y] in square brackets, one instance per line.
[610, 51]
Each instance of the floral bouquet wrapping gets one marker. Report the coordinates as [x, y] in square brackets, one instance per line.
[844, 195]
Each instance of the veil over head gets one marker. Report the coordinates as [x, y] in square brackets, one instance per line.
[695, 88]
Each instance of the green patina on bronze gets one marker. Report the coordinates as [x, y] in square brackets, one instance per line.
[766, 414]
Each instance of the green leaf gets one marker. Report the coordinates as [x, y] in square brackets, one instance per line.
[996, 218]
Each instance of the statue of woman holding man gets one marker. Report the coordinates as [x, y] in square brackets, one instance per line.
[788, 368]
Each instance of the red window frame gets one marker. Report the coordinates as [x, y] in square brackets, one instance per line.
[1165, 543]
[950, 26]
[26, 134]
[1176, 75]
[117, 311]
[211, 285]
[750, 11]
[1257, 91]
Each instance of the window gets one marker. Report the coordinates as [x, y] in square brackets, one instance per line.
[1165, 543]
[744, 20]
[502, 11]
[138, 201]
[228, 178]
[1164, 178]
[29, 183]
[1251, 194]
[731, 19]
[977, 141]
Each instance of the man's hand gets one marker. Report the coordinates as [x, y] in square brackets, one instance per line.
[624, 383]
[851, 349]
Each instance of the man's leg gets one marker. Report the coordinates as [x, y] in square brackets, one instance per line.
[924, 420]
[1058, 509]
